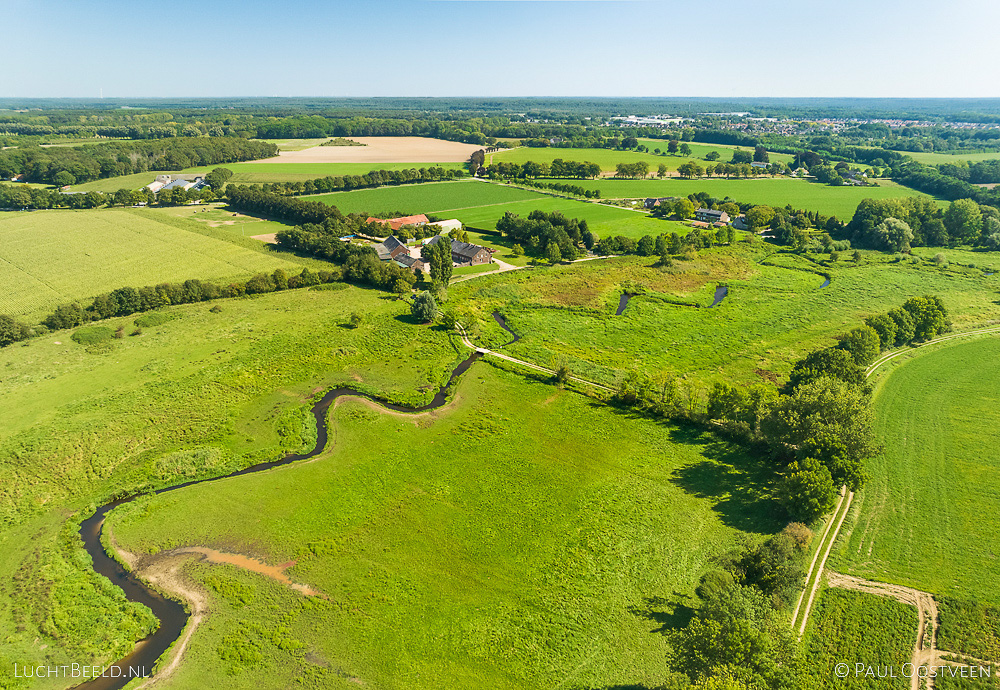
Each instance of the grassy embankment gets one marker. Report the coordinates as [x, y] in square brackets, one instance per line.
[198, 395]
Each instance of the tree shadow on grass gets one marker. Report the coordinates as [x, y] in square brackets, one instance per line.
[670, 613]
[737, 480]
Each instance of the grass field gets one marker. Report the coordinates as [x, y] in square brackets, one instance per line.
[486, 546]
[811, 196]
[928, 517]
[51, 257]
[609, 158]
[930, 158]
[481, 205]
[771, 317]
[253, 172]
[198, 395]
[857, 628]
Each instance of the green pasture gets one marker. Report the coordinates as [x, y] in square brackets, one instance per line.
[486, 545]
[201, 394]
[928, 517]
[776, 191]
[700, 150]
[849, 627]
[108, 185]
[931, 158]
[609, 158]
[772, 316]
[52, 257]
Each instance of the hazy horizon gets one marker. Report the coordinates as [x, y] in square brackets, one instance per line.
[501, 48]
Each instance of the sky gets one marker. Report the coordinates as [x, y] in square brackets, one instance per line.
[725, 48]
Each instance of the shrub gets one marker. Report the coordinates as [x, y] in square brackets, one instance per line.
[356, 320]
[424, 308]
[93, 335]
[155, 318]
[216, 309]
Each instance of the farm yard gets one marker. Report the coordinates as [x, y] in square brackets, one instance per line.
[49, 258]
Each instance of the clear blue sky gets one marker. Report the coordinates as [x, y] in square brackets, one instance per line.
[500, 48]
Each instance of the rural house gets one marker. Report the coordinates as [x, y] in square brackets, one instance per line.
[396, 223]
[708, 215]
[170, 182]
[653, 202]
[391, 248]
[414, 263]
[464, 253]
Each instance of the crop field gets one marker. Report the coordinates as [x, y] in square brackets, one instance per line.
[779, 191]
[858, 628]
[928, 517]
[483, 546]
[200, 394]
[770, 318]
[51, 257]
[257, 172]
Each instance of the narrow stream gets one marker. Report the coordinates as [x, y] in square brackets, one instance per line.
[503, 324]
[825, 283]
[171, 613]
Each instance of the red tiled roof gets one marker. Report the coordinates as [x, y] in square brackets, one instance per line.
[397, 223]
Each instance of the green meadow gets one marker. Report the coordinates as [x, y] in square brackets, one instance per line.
[609, 158]
[257, 172]
[52, 257]
[200, 394]
[931, 158]
[778, 191]
[928, 517]
[772, 316]
[486, 545]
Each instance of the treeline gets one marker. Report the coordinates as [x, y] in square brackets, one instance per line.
[983, 172]
[67, 165]
[664, 245]
[548, 235]
[899, 224]
[564, 188]
[530, 169]
[279, 206]
[375, 178]
[20, 197]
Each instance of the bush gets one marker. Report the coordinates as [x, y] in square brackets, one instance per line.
[424, 308]
[216, 309]
[155, 318]
[356, 320]
[93, 335]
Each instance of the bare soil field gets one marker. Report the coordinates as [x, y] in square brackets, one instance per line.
[381, 150]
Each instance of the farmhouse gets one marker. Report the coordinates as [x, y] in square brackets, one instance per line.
[464, 253]
[741, 222]
[396, 223]
[391, 248]
[701, 225]
[653, 202]
[169, 182]
[758, 164]
[414, 263]
[708, 215]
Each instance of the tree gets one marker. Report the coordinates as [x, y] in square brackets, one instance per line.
[401, 287]
[438, 256]
[684, 208]
[905, 328]
[712, 156]
[963, 220]
[886, 329]
[929, 316]
[807, 492]
[685, 149]
[646, 246]
[356, 320]
[830, 362]
[741, 156]
[760, 155]
[863, 343]
[672, 146]
[759, 217]
[64, 178]
[424, 308]
[11, 330]
[552, 253]
[893, 235]
[661, 170]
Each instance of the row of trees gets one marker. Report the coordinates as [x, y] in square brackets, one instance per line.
[16, 196]
[280, 207]
[665, 245]
[68, 165]
[532, 169]
[635, 170]
[564, 188]
[375, 178]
